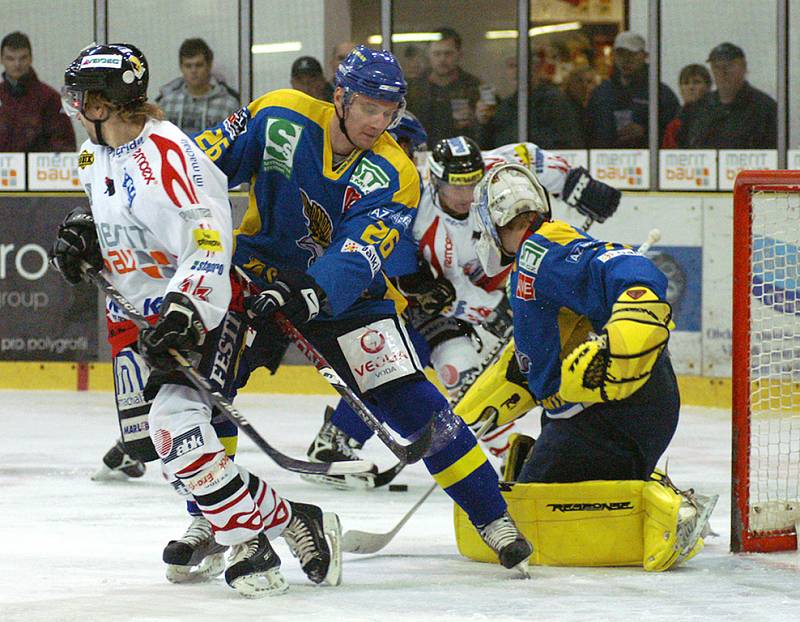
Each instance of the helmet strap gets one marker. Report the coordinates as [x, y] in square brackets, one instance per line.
[345, 105]
[98, 129]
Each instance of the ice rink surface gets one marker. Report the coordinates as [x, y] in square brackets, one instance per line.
[73, 549]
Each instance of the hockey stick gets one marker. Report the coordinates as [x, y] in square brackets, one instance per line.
[407, 454]
[205, 388]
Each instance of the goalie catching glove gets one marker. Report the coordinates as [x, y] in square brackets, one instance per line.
[178, 328]
[618, 363]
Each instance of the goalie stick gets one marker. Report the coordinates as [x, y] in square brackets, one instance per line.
[365, 542]
[204, 387]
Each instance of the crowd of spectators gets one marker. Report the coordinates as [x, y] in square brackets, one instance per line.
[567, 108]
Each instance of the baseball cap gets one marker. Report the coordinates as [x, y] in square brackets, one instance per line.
[306, 66]
[630, 41]
[725, 51]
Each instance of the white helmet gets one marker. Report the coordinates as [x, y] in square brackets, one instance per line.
[503, 194]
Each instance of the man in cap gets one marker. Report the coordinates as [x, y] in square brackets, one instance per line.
[306, 76]
[618, 108]
[734, 116]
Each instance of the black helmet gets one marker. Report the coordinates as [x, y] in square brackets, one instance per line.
[118, 71]
[456, 161]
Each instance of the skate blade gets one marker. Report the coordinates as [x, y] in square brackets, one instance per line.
[332, 528]
[523, 569]
[706, 509]
[260, 584]
[210, 567]
[342, 482]
[104, 474]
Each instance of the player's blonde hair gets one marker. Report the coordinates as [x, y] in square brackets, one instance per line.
[138, 113]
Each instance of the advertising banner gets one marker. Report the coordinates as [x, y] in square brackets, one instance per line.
[12, 172]
[687, 169]
[732, 161]
[53, 171]
[575, 157]
[626, 169]
[43, 318]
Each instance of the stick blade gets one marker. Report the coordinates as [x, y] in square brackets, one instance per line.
[364, 543]
[349, 467]
[415, 451]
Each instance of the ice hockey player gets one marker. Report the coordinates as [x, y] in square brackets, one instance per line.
[330, 194]
[591, 326]
[450, 294]
[159, 227]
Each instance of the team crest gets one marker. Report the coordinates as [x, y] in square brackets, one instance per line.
[319, 226]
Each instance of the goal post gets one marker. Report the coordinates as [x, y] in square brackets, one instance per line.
[765, 491]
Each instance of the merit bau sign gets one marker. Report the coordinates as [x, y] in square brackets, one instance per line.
[626, 169]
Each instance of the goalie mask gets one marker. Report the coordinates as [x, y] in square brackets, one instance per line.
[503, 194]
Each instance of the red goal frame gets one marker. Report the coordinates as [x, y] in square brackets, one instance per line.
[742, 538]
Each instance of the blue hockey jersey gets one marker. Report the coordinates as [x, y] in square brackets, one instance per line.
[338, 224]
[563, 284]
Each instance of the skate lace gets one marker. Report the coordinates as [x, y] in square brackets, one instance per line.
[244, 550]
[199, 531]
[338, 440]
[299, 537]
[499, 533]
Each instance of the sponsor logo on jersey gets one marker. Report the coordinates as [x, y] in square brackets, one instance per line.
[367, 252]
[85, 159]
[110, 190]
[369, 177]
[193, 286]
[144, 167]
[525, 289]
[207, 266]
[609, 506]
[126, 148]
[174, 177]
[225, 349]
[531, 255]
[171, 448]
[194, 213]
[319, 226]
[372, 341]
[236, 124]
[609, 255]
[280, 142]
[577, 251]
[351, 195]
[380, 213]
[197, 176]
[130, 189]
[401, 220]
[113, 61]
[208, 240]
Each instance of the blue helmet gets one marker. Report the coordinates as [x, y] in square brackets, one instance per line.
[372, 73]
[409, 128]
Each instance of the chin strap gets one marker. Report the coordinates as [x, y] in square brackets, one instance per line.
[341, 121]
[98, 129]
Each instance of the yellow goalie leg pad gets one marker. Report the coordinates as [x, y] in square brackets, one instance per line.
[493, 392]
[597, 523]
[619, 363]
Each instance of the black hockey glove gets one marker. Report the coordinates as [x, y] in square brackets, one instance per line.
[500, 322]
[427, 292]
[590, 197]
[179, 327]
[296, 295]
[76, 242]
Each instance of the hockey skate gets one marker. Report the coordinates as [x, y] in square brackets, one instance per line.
[693, 523]
[195, 556]
[314, 538]
[117, 461]
[503, 537]
[333, 445]
[254, 569]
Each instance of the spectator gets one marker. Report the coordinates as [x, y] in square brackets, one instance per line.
[338, 54]
[578, 87]
[31, 117]
[414, 63]
[694, 82]
[551, 121]
[618, 108]
[197, 99]
[306, 76]
[444, 99]
[736, 115]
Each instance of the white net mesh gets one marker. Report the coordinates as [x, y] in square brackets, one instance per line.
[775, 362]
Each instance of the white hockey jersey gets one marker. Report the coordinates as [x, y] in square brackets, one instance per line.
[163, 220]
[448, 245]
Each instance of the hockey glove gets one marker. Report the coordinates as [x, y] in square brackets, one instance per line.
[500, 322]
[618, 363]
[296, 295]
[76, 242]
[425, 291]
[590, 197]
[179, 327]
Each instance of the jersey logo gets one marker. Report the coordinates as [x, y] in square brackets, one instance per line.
[172, 177]
[369, 177]
[351, 195]
[525, 289]
[85, 159]
[208, 240]
[319, 226]
[280, 142]
[531, 255]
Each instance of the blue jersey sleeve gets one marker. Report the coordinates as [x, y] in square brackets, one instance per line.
[367, 236]
[544, 342]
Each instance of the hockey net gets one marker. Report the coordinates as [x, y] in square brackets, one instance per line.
[765, 505]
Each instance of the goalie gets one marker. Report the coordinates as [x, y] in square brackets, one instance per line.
[591, 325]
